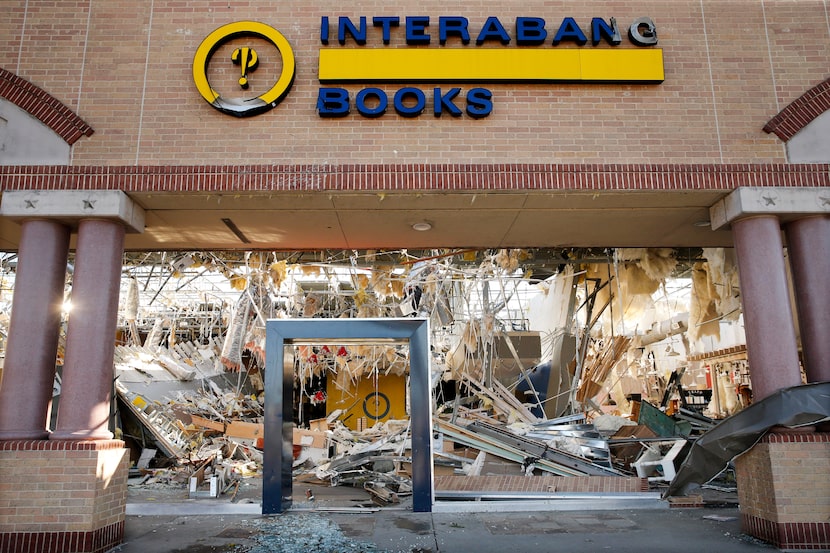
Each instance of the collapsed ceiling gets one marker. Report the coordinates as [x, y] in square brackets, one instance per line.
[518, 337]
[673, 297]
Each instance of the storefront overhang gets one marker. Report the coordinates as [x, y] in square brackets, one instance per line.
[380, 206]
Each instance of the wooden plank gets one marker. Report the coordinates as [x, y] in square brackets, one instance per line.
[381, 493]
[208, 423]
[245, 430]
[595, 375]
[147, 455]
[199, 476]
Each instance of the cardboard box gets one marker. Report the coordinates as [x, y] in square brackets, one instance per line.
[310, 438]
[319, 425]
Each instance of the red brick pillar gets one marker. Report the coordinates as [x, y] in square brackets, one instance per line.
[784, 480]
[86, 391]
[768, 319]
[68, 493]
[29, 371]
[808, 241]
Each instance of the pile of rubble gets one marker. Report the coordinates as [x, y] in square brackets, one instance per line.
[209, 433]
[569, 398]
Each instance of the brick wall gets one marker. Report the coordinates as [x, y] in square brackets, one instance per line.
[784, 489]
[542, 484]
[62, 496]
[415, 178]
[125, 67]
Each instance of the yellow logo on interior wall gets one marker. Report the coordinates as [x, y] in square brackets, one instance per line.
[248, 60]
[373, 401]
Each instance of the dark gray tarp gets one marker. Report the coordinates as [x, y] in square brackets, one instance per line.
[710, 454]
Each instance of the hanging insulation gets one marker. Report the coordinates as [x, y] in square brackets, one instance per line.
[278, 272]
[131, 301]
[231, 356]
[312, 304]
[255, 343]
[153, 339]
[703, 312]
[634, 280]
[238, 282]
[657, 263]
[381, 281]
[171, 338]
[722, 272]
[396, 288]
[507, 260]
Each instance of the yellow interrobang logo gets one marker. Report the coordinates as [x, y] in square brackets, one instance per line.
[247, 58]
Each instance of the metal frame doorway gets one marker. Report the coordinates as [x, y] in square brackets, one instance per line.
[277, 485]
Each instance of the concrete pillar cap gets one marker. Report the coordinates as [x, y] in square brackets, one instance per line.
[72, 206]
[787, 204]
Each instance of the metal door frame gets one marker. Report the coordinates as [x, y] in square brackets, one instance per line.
[277, 485]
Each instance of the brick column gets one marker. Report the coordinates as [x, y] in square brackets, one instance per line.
[29, 371]
[67, 493]
[768, 319]
[783, 487]
[86, 391]
[62, 496]
[782, 480]
[808, 241]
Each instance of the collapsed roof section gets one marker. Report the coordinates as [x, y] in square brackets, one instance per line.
[567, 306]
[519, 338]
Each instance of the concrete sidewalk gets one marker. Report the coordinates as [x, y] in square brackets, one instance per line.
[400, 530]
[344, 519]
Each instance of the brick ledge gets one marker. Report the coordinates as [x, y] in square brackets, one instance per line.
[94, 541]
[413, 177]
[43, 106]
[794, 436]
[60, 445]
[788, 535]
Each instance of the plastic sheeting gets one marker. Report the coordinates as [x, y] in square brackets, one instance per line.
[790, 407]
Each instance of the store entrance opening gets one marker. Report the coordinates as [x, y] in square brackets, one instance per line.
[277, 486]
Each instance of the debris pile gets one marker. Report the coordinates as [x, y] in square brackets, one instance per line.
[375, 459]
[527, 369]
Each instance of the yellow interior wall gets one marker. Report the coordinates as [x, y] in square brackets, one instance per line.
[366, 401]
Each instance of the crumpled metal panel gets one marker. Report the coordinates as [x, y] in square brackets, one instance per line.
[790, 407]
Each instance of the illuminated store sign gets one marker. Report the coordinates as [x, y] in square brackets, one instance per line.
[537, 58]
